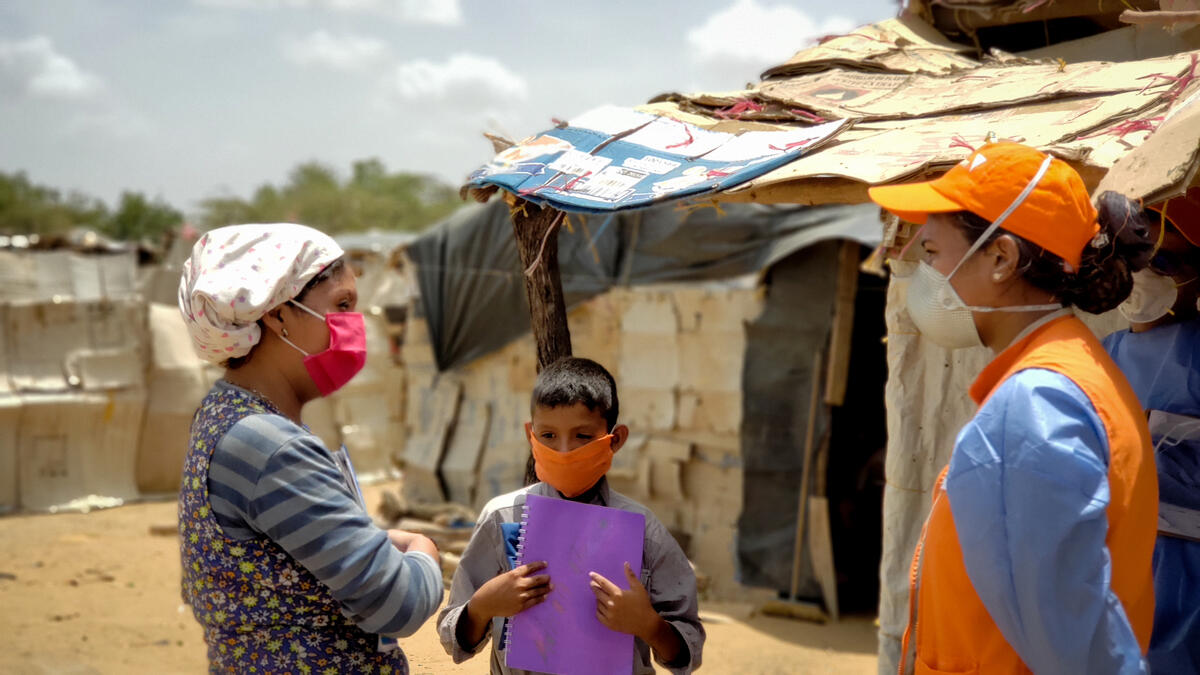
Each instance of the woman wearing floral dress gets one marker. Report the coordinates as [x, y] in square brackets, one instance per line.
[282, 565]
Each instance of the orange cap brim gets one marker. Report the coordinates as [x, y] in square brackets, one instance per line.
[913, 201]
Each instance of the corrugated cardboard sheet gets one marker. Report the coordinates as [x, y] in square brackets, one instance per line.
[10, 414]
[176, 383]
[45, 275]
[61, 346]
[72, 446]
[919, 104]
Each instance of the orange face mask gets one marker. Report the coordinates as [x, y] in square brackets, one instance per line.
[572, 473]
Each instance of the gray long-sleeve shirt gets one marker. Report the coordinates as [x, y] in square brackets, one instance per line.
[666, 573]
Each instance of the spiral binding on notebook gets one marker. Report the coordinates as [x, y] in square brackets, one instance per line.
[517, 563]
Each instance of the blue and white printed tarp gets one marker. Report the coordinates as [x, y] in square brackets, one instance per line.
[615, 158]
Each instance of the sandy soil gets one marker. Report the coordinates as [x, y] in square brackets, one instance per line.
[99, 593]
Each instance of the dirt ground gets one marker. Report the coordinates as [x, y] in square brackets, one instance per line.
[99, 593]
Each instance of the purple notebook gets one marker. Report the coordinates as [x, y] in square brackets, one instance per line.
[562, 635]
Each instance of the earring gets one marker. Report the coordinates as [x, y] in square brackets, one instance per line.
[284, 331]
[996, 276]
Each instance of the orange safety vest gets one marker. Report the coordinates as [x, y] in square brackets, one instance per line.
[954, 632]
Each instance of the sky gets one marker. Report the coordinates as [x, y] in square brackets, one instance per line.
[189, 99]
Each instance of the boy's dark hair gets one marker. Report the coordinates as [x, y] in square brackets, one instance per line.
[572, 380]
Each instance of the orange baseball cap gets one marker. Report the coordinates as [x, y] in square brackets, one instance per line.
[1057, 214]
[1184, 213]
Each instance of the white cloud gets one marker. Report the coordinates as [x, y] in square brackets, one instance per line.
[435, 12]
[341, 52]
[35, 68]
[466, 79]
[756, 34]
[253, 4]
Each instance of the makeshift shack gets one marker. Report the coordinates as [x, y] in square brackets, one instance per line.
[72, 380]
[99, 382]
[894, 101]
[709, 320]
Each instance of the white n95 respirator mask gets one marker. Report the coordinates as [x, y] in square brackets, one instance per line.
[1153, 295]
[936, 308]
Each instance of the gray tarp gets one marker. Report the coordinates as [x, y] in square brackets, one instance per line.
[776, 385]
[470, 276]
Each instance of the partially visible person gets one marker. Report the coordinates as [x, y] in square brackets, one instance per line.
[282, 565]
[1160, 354]
[1036, 556]
[573, 434]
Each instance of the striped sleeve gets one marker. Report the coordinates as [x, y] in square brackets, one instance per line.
[269, 476]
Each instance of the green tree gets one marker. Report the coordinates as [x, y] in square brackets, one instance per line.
[314, 194]
[28, 208]
[138, 218]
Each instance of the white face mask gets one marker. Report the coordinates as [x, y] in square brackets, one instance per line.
[934, 305]
[1153, 295]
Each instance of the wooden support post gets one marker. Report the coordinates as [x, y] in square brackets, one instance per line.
[841, 335]
[536, 232]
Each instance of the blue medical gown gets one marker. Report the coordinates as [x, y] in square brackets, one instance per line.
[1163, 366]
[1028, 489]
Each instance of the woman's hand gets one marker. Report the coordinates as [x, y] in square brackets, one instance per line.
[411, 541]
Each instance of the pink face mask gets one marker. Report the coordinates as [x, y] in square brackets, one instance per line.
[331, 369]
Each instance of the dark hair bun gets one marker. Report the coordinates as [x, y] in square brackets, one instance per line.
[1122, 247]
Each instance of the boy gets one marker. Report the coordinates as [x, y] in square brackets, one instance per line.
[573, 434]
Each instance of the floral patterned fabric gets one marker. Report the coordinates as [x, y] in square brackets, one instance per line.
[262, 612]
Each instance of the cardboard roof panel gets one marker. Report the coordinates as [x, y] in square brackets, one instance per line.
[1091, 114]
[1124, 44]
[840, 93]
[901, 45]
[967, 16]
[1166, 163]
[914, 103]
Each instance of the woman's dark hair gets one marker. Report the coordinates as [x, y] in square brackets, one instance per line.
[1105, 275]
[331, 270]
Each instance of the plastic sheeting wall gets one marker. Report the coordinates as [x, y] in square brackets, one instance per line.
[470, 279]
[927, 404]
[777, 384]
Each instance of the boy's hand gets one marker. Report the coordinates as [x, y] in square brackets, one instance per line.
[625, 611]
[512, 592]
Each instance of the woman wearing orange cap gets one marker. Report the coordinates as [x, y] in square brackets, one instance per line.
[1036, 555]
[1160, 354]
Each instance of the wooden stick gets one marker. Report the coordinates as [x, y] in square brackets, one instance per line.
[821, 552]
[1136, 17]
[809, 437]
[842, 334]
[536, 232]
